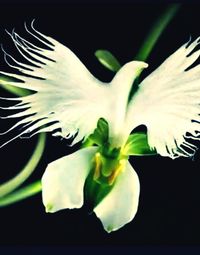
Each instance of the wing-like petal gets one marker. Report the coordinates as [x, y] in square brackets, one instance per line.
[120, 205]
[66, 92]
[167, 102]
[63, 180]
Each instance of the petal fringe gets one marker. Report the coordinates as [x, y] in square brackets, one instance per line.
[167, 102]
[66, 92]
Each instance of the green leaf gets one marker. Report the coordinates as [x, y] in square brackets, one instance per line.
[137, 145]
[107, 59]
[23, 193]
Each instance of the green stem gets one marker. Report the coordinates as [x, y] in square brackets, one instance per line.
[28, 191]
[4, 83]
[156, 31]
[14, 90]
[15, 182]
[152, 37]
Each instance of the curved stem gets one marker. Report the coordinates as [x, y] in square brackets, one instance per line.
[15, 182]
[23, 193]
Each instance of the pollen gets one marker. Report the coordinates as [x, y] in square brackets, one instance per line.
[97, 166]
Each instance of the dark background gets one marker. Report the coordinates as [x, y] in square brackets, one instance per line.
[169, 206]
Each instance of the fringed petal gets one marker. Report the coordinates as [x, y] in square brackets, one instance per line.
[66, 92]
[167, 102]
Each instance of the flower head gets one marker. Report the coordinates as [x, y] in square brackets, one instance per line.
[69, 101]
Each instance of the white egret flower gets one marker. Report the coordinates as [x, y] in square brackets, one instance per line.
[69, 102]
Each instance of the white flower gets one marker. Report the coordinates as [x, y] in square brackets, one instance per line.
[68, 101]
[63, 183]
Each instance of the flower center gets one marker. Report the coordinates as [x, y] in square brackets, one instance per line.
[107, 168]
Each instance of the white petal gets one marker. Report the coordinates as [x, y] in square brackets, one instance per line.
[167, 102]
[120, 205]
[120, 88]
[66, 92]
[63, 180]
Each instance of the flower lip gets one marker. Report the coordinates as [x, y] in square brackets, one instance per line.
[120, 205]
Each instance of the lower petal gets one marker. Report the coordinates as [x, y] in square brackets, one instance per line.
[120, 205]
[64, 179]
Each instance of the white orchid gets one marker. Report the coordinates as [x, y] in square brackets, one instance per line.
[70, 102]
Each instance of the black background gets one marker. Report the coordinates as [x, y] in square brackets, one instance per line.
[169, 206]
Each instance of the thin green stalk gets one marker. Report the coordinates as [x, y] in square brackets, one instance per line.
[4, 83]
[152, 38]
[14, 90]
[23, 193]
[156, 31]
[15, 182]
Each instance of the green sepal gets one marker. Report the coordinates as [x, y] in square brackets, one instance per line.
[107, 59]
[137, 145]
